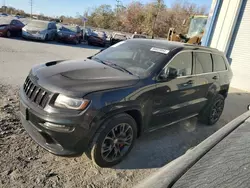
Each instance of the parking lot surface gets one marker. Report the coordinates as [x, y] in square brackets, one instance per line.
[24, 164]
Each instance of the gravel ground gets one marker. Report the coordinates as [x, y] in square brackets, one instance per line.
[24, 164]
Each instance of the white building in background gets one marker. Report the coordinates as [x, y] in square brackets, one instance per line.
[228, 30]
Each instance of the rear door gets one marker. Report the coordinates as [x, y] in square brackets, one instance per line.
[207, 78]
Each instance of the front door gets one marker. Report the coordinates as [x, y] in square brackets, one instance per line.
[175, 99]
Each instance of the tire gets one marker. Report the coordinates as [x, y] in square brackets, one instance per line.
[46, 37]
[212, 112]
[75, 42]
[8, 34]
[102, 139]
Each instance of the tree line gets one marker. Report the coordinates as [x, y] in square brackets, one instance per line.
[153, 18]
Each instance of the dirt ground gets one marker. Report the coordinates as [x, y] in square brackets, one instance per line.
[25, 164]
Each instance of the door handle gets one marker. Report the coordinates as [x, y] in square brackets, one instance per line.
[188, 83]
[215, 77]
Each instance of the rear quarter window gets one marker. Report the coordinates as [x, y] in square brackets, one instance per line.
[219, 63]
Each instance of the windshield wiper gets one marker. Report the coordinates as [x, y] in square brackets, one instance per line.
[99, 60]
[120, 68]
[113, 65]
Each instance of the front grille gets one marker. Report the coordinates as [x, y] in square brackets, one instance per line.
[35, 93]
[32, 32]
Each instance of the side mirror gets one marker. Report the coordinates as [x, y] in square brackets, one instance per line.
[168, 74]
[248, 107]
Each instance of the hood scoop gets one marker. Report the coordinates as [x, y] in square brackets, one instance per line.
[53, 63]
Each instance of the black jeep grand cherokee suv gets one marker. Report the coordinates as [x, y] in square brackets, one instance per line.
[102, 104]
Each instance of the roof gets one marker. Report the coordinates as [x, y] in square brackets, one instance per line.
[225, 165]
[221, 160]
[171, 45]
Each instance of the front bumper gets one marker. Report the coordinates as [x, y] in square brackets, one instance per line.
[27, 35]
[59, 143]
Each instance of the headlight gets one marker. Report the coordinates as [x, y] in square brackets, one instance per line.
[71, 103]
[72, 36]
[3, 27]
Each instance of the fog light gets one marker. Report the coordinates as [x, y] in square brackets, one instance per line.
[57, 127]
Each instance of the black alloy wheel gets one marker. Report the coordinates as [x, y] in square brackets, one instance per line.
[117, 142]
[213, 110]
[113, 141]
[217, 110]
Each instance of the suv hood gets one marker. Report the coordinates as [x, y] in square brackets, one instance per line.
[80, 77]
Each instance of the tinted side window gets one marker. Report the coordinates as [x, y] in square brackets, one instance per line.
[203, 63]
[219, 63]
[20, 23]
[182, 63]
[13, 22]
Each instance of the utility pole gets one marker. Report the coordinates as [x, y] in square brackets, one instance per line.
[4, 6]
[155, 15]
[31, 7]
[118, 4]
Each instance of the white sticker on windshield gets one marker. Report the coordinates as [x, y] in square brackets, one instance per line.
[117, 44]
[160, 50]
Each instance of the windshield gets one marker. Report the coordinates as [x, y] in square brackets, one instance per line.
[38, 24]
[197, 26]
[139, 59]
[68, 28]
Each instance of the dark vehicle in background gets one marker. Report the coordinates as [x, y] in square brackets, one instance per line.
[10, 27]
[117, 37]
[100, 105]
[3, 15]
[40, 30]
[71, 34]
[97, 38]
[86, 33]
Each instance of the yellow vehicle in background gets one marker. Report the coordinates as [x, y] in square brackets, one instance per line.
[195, 33]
